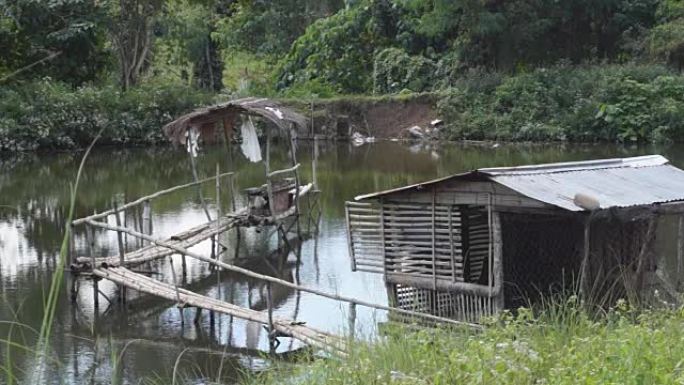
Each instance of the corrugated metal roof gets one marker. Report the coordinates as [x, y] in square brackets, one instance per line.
[587, 165]
[612, 182]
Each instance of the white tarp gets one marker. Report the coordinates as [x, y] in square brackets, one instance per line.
[250, 141]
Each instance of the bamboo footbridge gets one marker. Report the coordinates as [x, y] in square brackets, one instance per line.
[117, 269]
[282, 327]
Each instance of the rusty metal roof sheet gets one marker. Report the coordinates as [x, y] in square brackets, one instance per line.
[621, 182]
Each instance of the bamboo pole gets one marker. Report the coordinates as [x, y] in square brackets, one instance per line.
[434, 267]
[350, 242]
[382, 238]
[352, 320]
[680, 252]
[91, 251]
[175, 282]
[271, 328]
[218, 211]
[295, 166]
[281, 282]
[490, 247]
[138, 201]
[122, 252]
[267, 166]
[146, 218]
[195, 176]
[586, 251]
[498, 269]
[284, 171]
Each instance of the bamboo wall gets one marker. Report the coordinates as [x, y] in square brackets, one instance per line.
[435, 257]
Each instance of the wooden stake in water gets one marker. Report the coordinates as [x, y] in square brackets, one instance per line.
[218, 210]
[91, 250]
[271, 329]
[122, 253]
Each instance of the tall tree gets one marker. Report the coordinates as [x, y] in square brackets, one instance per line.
[132, 33]
[61, 39]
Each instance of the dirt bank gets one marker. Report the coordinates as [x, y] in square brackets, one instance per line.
[381, 117]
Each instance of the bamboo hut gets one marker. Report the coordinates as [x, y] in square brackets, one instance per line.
[471, 244]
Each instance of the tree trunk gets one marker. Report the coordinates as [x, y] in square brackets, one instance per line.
[209, 67]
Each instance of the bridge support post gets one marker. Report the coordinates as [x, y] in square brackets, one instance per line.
[122, 254]
[91, 249]
[271, 330]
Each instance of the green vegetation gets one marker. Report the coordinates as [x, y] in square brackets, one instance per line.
[609, 103]
[604, 70]
[560, 345]
[46, 114]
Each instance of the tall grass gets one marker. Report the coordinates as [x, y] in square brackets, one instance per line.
[41, 348]
[561, 344]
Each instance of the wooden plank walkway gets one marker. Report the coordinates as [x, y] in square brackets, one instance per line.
[311, 336]
[185, 240]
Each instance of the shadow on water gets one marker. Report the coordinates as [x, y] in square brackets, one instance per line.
[34, 192]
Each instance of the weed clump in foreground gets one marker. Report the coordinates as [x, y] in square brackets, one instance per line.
[561, 345]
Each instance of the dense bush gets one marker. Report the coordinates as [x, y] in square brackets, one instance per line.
[339, 50]
[394, 70]
[46, 114]
[456, 36]
[610, 103]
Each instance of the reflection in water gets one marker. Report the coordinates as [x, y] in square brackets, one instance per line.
[33, 194]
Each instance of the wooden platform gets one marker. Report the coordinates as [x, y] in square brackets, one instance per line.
[313, 337]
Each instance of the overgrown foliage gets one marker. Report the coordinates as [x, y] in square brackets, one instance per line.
[461, 35]
[45, 114]
[609, 103]
[269, 27]
[61, 39]
[338, 50]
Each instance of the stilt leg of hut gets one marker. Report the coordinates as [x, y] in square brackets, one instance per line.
[267, 166]
[585, 266]
[195, 176]
[218, 210]
[293, 157]
[498, 268]
[680, 253]
[352, 320]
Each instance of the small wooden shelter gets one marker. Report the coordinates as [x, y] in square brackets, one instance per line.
[471, 244]
[277, 198]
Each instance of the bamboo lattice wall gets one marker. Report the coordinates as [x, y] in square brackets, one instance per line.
[418, 244]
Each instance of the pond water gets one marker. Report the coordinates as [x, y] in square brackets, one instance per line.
[87, 347]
